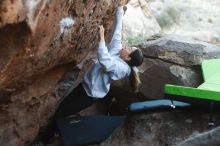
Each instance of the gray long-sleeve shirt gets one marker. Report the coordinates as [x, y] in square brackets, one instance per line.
[109, 66]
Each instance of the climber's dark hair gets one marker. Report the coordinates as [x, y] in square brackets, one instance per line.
[136, 57]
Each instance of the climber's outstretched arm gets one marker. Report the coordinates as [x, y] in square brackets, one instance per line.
[115, 45]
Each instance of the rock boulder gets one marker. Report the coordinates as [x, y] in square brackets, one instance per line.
[174, 60]
[41, 40]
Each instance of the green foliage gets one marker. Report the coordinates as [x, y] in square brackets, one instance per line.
[169, 17]
[200, 19]
[173, 13]
[135, 40]
[210, 20]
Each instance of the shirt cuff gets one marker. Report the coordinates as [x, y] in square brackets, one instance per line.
[101, 44]
[120, 9]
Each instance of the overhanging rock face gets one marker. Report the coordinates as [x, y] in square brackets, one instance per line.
[40, 40]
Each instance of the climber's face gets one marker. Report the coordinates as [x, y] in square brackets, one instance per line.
[125, 53]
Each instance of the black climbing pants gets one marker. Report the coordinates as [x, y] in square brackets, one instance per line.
[76, 101]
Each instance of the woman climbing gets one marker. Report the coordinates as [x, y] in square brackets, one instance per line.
[113, 63]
